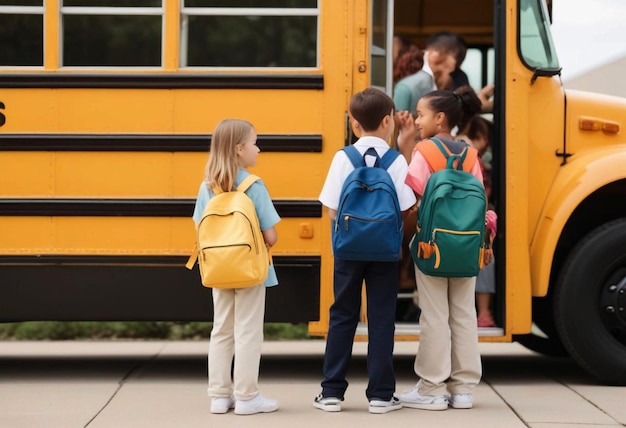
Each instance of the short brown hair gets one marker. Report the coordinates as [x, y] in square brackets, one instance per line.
[369, 107]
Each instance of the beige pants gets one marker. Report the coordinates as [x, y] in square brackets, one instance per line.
[237, 331]
[448, 360]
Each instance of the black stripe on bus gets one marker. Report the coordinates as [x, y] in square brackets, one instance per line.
[133, 207]
[141, 260]
[161, 81]
[148, 143]
[140, 288]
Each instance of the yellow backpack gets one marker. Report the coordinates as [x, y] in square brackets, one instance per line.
[229, 242]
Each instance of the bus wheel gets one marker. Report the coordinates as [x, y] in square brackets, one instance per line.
[590, 303]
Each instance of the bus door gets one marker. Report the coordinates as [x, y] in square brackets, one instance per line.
[417, 20]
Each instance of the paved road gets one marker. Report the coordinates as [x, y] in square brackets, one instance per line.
[162, 385]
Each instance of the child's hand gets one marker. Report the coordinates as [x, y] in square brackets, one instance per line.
[405, 121]
[408, 133]
[485, 96]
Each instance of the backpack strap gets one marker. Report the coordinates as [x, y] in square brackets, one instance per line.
[388, 158]
[245, 185]
[355, 156]
[247, 182]
[432, 149]
[358, 161]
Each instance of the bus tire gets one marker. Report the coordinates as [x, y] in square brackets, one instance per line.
[589, 293]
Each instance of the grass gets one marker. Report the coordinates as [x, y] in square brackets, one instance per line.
[158, 330]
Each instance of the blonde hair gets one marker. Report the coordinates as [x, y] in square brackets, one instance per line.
[222, 167]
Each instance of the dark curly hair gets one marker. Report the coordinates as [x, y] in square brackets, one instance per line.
[409, 62]
[459, 105]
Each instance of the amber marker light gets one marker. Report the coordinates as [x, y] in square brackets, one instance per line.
[610, 127]
[587, 124]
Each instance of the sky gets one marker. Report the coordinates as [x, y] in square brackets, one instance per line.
[588, 33]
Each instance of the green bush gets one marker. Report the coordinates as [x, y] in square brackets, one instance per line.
[94, 330]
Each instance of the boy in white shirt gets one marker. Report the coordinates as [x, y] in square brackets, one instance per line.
[372, 119]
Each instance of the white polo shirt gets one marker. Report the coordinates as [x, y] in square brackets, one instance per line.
[426, 68]
[341, 167]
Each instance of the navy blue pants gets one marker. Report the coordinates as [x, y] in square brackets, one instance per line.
[381, 281]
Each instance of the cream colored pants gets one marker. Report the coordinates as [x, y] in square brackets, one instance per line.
[237, 331]
[448, 360]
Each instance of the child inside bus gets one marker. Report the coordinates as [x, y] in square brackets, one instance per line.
[372, 119]
[478, 134]
[448, 361]
[237, 313]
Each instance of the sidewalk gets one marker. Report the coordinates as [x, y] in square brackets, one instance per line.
[163, 384]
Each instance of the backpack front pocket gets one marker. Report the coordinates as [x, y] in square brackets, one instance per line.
[456, 253]
[356, 238]
[216, 272]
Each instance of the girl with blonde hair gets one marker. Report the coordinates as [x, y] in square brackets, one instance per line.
[237, 313]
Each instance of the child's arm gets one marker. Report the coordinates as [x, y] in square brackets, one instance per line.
[270, 236]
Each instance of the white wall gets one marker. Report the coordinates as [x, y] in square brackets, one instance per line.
[607, 79]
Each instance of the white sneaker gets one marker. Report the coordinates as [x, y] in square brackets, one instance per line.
[461, 401]
[327, 404]
[412, 398]
[384, 406]
[258, 404]
[221, 404]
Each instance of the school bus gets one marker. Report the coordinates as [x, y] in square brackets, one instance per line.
[106, 111]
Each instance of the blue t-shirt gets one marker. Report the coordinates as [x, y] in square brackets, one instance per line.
[265, 211]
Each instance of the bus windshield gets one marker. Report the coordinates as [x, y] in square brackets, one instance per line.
[535, 40]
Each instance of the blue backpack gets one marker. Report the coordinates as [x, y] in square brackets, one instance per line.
[368, 225]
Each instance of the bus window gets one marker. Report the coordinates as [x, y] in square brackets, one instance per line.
[535, 40]
[243, 33]
[106, 33]
[479, 65]
[21, 43]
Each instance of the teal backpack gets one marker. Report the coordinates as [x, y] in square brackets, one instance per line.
[450, 237]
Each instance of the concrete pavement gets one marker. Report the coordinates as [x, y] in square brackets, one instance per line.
[163, 384]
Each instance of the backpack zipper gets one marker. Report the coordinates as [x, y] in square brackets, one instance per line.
[453, 232]
[347, 217]
[256, 244]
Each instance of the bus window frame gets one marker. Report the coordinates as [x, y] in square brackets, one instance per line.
[186, 12]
